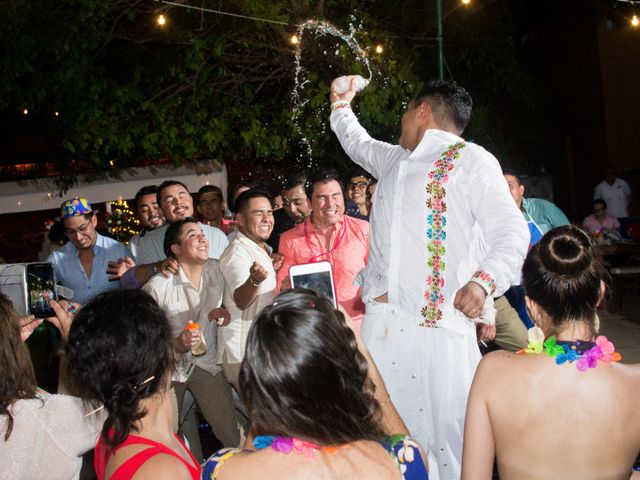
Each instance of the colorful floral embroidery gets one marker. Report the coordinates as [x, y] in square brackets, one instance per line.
[436, 235]
[585, 354]
[486, 280]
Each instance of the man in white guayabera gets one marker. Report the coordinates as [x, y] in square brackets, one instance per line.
[423, 285]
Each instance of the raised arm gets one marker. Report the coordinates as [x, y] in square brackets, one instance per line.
[373, 155]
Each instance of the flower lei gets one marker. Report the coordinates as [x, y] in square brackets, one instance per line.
[586, 354]
[296, 445]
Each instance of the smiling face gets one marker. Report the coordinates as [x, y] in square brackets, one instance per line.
[256, 219]
[176, 203]
[357, 189]
[327, 202]
[81, 231]
[149, 212]
[192, 246]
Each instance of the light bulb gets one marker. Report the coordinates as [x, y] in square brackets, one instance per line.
[635, 21]
[162, 20]
[466, 2]
[25, 112]
[294, 40]
[379, 48]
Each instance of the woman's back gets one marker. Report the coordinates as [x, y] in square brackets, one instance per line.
[554, 421]
[358, 460]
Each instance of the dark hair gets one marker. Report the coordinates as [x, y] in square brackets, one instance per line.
[167, 184]
[294, 180]
[17, 380]
[599, 201]
[322, 175]
[511, 172]
[250, 184]
[303, 376]
[242, 202]
[357, 172]
[212, 189]
[562, 274]
[144, 191]
[120, 352]
[172, 234]
[450, 103]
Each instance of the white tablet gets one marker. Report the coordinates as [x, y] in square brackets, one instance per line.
[316, 276]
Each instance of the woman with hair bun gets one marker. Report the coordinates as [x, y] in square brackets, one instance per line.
[317, 405]
[563, 407]
[120, 357]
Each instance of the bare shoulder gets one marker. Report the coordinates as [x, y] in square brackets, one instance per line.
[498, 366]
[163, 467]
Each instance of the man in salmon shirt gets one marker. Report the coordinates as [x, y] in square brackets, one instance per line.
[329, 235]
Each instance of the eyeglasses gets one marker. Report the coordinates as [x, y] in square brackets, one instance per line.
[357, 185]
[82, 229]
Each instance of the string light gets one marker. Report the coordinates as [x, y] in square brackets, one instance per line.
[25, 112]
[379, 49]
[466, 2]
[635, 21]
[57, 114]
[294, 39]
[161, 20]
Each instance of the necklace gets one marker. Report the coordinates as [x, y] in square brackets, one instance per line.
[296, 445]
[585, 353]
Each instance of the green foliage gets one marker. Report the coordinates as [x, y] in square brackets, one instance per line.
[212, 86]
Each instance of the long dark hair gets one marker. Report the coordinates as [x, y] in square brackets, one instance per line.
[562, 274]
[303, 376]
[17, 378]
[117, 342]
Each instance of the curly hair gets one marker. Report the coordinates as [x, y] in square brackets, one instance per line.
[117, 342]
[303, 375]
[17, 378]
[562, 274]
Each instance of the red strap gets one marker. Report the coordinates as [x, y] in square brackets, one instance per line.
[129, 468]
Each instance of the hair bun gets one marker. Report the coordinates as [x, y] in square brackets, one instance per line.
[565, 254]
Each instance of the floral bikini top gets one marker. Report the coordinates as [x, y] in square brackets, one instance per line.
[402, 449]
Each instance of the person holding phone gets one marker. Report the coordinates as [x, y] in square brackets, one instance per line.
[317, 403]
[41, 435]
[329, 235]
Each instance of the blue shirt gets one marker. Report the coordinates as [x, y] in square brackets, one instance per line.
[71, 274]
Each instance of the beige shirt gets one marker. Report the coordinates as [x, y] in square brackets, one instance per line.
[49, 436]
[182, 302]
[235, 263]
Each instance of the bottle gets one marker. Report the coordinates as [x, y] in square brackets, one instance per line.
[342, 84]
[201, 347]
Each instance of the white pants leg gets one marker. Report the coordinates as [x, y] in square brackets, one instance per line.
[428, 372]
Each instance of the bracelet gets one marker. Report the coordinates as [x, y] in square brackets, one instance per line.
[254, 283]
[340, 104]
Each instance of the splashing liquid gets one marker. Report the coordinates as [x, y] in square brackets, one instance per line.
[319, 28]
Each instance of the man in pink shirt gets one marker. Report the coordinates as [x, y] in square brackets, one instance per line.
[600, 221]
[332, 236]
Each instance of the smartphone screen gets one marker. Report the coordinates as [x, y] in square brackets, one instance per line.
[41, 289]
[320, 281]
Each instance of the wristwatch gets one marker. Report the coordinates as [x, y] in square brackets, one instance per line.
[154, 269]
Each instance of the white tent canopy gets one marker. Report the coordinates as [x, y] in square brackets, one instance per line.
[42, 194]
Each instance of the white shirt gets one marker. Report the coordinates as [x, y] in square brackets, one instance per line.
[151, 248]
[617, 196]
[475, 195]
[182, 302]
[235, 263]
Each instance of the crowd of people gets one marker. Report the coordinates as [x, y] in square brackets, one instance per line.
[196, 316]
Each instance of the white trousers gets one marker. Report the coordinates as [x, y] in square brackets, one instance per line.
[428, 373]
